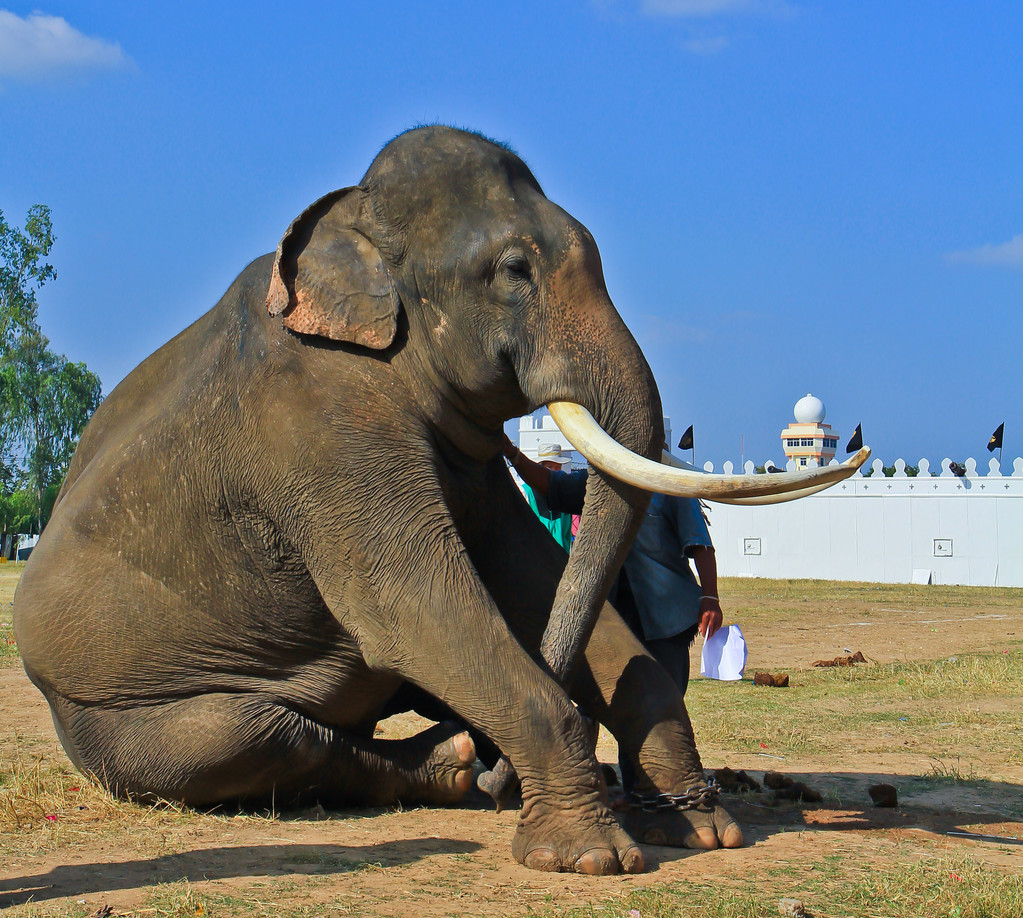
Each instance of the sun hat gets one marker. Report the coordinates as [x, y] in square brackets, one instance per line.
[551, 452]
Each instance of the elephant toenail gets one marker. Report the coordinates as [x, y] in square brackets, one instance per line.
[632, 860]
[597, 862]
[655, 837]
[708, 839]
[731, 837]
[542, 859]
[465, 749]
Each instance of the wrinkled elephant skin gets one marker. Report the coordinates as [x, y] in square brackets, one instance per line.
[297, 508]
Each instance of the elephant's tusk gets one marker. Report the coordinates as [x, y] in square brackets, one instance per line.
[586, 435]
[668, 459]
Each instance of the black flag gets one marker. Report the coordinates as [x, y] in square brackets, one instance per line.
[996, 439]
[687, 439]
[855, 441]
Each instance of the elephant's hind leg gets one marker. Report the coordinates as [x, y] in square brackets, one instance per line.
[222, 747]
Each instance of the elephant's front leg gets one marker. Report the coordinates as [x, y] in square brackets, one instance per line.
[425, 615]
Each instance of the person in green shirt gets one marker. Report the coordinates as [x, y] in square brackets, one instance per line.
[550, 457]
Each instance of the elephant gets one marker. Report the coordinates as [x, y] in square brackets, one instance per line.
[295, 517]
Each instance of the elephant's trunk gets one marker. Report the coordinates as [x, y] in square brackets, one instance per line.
[614, 516]
[631, 412]
[619, 388]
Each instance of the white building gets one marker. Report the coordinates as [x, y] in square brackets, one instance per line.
[808, 441]
[932, 528]
[935, 527]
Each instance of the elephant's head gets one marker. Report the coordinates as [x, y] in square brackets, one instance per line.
[449, 260]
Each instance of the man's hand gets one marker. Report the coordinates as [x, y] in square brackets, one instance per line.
[509, 449]
[710, 616]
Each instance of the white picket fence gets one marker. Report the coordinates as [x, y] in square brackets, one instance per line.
[942, 529]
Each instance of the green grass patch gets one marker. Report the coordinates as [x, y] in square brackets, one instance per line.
[936, 706]
[786, 596]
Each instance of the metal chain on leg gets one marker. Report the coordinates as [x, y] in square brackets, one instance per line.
[692, 799]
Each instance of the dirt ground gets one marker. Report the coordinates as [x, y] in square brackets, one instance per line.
[427, 862]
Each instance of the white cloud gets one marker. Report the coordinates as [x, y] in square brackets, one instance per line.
[1006, 254]
[41, 46]
[706, 46]
[707, 9]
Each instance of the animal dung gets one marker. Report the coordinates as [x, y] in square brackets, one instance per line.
[884, 795]
[777, 680]
[787, 788]
[843, 661]
[799, 792]
[776, 780]
[735, 782]
[793, 908]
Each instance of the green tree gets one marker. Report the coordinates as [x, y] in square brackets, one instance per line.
[22, 269]
[45, 399]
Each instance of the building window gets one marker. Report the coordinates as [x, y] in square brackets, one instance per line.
[802, 460]
[806, 441]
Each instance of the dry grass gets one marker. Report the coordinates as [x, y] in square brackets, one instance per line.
[756, 597]
[45, 806]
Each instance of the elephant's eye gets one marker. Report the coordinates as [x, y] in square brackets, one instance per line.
[517, 268]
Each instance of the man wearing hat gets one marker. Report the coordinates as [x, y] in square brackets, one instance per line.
[538, 487]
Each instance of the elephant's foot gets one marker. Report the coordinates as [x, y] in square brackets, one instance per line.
[438, 765]
[706, 827]
[576, 839]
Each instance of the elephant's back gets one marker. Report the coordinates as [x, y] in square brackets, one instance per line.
[138, 510]
[183, 379]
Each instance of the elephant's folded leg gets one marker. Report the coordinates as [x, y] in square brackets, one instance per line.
[221, 747]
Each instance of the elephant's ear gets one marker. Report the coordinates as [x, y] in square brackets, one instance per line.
[329, 279]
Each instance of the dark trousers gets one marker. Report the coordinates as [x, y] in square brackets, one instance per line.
[671, 652]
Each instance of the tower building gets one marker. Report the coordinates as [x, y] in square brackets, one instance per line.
[808, 441]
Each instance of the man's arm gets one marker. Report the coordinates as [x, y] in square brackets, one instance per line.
[565, 491]
[532, 473]
[694, 537]
[707, 571]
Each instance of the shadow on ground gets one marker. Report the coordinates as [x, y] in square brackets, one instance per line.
[222, 863]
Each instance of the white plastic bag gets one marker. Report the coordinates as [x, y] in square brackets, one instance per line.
[724, 655]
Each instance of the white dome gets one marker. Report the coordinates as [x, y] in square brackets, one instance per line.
[809, 410]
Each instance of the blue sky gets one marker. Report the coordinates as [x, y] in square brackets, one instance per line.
[788, 196]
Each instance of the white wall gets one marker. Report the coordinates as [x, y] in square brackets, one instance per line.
[891, 530]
